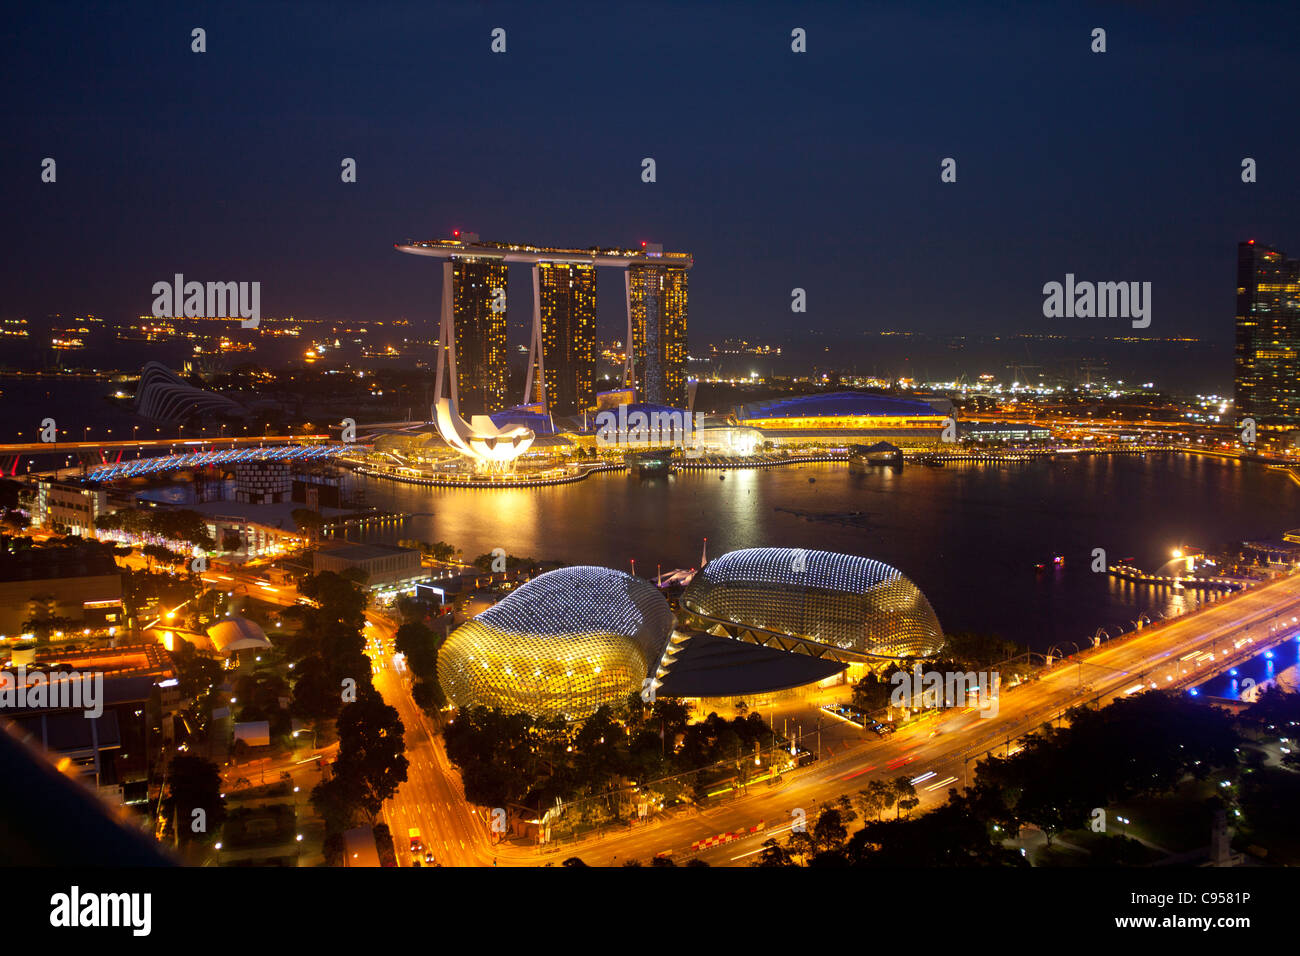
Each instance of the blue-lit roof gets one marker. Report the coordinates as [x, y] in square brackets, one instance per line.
[624, 413]
[539, 423]
[834, 404]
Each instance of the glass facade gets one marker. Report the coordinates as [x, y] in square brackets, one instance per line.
[849, 603]
[1268, 336]
[561, 645]
[658, 302]
[480, 334]
[567, 299]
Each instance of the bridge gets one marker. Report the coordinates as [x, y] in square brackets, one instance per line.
[113, 471]
[95, 452]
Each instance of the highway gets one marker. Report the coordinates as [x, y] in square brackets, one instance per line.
[939, 756]
[936, 754]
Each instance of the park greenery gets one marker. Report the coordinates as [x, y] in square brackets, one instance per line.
[439, 551]
[332, 682]
[195, 785]
[962, 652]
[419, 643]
[1147, 747]
[179, 525]
[600, 768]
[491, 563]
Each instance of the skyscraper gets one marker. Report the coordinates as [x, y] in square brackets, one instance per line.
[657, 296]
[562, 346]
[1268, 336]
[567, 299]
[479, 298]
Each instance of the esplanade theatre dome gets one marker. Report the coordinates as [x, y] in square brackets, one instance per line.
[561, 645]
[858, 606]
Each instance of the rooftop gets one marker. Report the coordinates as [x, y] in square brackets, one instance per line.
[470, 246]
[836, 405]
[351, 551]
[40, 564]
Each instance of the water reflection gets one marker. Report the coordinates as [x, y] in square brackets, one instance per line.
[969, 536]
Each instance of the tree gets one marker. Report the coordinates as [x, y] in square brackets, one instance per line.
[339, 802]
[419, 644]
[308, 520]
[884, 795]
[44, 623]
[829, 832]
[371, 749]
[340, 598]
[314, 695]
[163, 555]
[195, 674]
[773, 854]
[955, 834]
[903, 791]
[195, 784]
[428, 696]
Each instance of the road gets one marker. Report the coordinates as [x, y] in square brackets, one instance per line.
[939, 756]
[936, 755]
[432, 798]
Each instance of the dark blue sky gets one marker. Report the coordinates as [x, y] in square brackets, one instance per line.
[776, 170]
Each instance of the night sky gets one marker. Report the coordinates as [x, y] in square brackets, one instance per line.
[776, 169]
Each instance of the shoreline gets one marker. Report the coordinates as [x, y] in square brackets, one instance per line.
[435, 480]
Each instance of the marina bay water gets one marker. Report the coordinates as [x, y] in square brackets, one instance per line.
[969, 535]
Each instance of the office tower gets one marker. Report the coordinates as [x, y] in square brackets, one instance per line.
[657, 306]
[479, 290]
[567, 302]
[1267, 379]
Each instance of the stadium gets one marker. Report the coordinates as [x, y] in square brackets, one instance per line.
[751, 622]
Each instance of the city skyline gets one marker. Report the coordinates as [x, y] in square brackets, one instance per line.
[512, 436]
[950, 270]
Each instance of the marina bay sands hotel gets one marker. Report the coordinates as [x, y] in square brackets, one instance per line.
[562, 348]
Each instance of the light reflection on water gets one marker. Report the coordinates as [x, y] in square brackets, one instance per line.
[1267, 665]
[969, 535]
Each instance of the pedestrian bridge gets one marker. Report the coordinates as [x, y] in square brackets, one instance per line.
[115, 471]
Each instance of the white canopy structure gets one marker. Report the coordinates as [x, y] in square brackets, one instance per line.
[237, 634]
